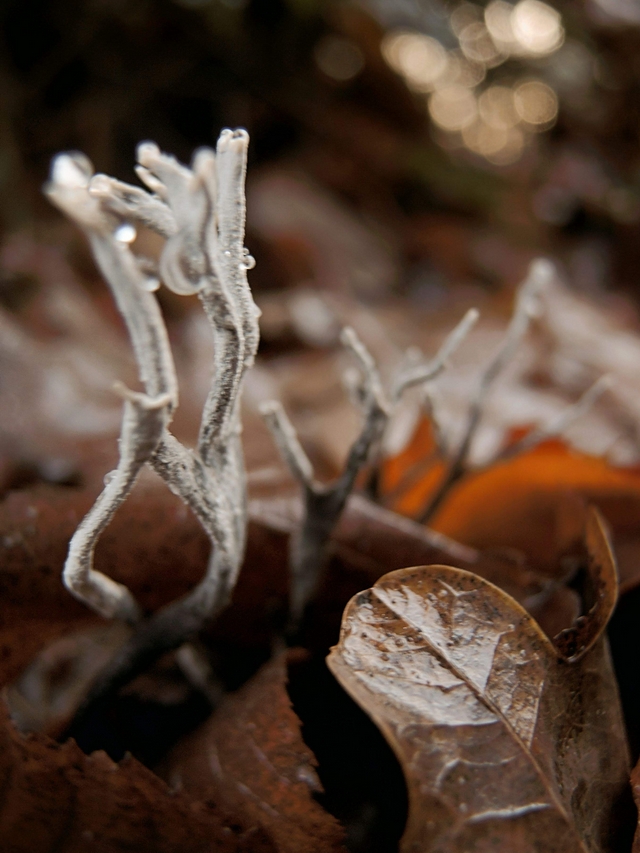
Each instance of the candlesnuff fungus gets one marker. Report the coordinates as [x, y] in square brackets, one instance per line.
[323, 503]
[456, 457]
[201, 213]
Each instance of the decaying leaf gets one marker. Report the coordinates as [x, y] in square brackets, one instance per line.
[635, 785]
[141, 550]
[505, 745]
[143, 546]
[55, 798]
[250, 759]
[52, 796]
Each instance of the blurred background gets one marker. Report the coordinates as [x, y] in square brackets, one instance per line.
[425, 126]
[408, 156]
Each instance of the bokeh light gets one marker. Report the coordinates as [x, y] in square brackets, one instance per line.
[460, 70]
[497, 17]
[453, 107]
[420, 59]
[339, 58]
[478, 46]
[497, 109]
[497, 122]
[464, 15]
[536, 104]
[537, 27]
[530, 28]
[498, 145]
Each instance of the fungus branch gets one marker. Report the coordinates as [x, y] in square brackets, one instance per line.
[457, 465]
[558, 425]
[201, 213]
[324, 503]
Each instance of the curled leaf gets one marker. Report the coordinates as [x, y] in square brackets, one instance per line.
[505, 746]
[574, 642]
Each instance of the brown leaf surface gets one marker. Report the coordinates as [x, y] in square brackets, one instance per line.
[635, 787]
[504, 745]
[515, 503]
[158, 549]
[141, 548]
[250, 759]
[55, 798]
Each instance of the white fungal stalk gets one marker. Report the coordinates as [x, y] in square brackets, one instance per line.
[456, 459]
[200, 211]
[323, 504]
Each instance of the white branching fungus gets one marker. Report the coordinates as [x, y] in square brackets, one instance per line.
[200, 211]
[323, 503]
[457, 459]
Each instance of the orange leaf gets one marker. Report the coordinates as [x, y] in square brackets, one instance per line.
[516, 503]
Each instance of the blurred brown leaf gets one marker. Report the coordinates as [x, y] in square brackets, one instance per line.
[55, 798]
[505, 746]
[514, 503]
[250, 759]
[145, 543]
[635, 785]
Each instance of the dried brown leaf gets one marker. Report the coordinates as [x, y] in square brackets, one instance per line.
[635, 786]
[55, 798]
[505, 746]
[140, 549]
[250, 759]
[574, 642]
[158, 550]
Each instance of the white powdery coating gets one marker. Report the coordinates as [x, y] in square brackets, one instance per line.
[201, 213]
